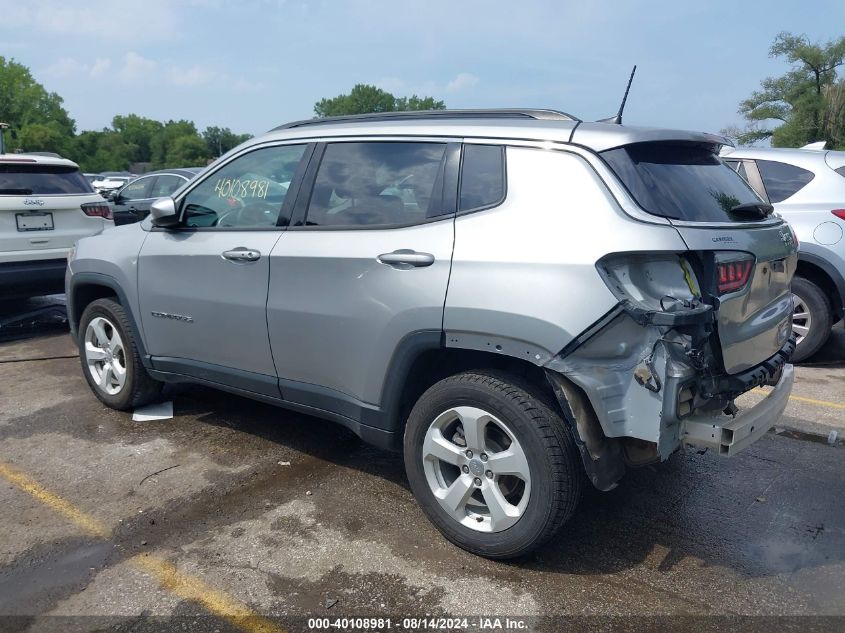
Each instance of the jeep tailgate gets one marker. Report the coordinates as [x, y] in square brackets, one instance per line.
[753, 321]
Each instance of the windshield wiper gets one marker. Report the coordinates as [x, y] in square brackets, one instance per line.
[752, 210]
[16, 192]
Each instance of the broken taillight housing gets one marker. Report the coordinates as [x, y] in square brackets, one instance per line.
[97, 210]
[733, 274]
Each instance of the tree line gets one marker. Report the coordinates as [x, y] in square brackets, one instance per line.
[39, 122]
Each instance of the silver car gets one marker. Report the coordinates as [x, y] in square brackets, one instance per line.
[519, 301]
[807, 188]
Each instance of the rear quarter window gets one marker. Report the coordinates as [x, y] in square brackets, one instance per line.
[680, 181]
[482, 177]
[41, 180]
[782, 180]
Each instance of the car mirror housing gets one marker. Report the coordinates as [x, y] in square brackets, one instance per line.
[163, 212]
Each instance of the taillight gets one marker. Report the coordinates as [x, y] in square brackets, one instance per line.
[97, 210]
[839, 213]
[733, 275]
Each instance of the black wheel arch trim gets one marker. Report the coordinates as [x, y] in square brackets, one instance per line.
[79, 280]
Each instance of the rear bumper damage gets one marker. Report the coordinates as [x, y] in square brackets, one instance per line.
[638, 386]
[729, 437]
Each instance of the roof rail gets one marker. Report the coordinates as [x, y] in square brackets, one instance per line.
[504, 113]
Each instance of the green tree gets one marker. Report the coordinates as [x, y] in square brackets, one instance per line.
[187, 151]
[364, 98]
[797, 100]
[25, 102]
[220, 140]
[138, 131]
[164, 152]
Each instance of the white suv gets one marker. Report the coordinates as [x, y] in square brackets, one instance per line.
[46, 205]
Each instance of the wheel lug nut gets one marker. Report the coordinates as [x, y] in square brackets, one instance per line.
[477, 481]
[469, 454]
[483, 457]
[489, 474]
[465, 468]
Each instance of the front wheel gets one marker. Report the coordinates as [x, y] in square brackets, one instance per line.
[811, 319]
[492, 464]
[110, 359]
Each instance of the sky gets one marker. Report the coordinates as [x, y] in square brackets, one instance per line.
[253, 64]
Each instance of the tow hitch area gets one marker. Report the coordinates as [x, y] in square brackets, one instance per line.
[732, 436]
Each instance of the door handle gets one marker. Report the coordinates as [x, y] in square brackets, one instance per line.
[405, 258]
[242, 254]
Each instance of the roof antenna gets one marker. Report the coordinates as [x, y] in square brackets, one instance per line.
[618, 118]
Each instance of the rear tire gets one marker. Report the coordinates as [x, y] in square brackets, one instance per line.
[538, 476]
[110, 360]
[812, 319]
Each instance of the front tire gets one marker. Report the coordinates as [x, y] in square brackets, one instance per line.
[811, 318]
[110, 359]
[492, 463]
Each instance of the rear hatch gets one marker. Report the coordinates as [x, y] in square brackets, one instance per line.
[46, 206]
[744, 259]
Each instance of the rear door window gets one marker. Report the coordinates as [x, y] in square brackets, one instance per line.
[482, 177]
[41, 180]
[166, 184]
[379, 184]
[680, 181]
[782, 180]
[137, 189]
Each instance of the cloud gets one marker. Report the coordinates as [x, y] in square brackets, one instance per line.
[462, 81]
[155, 21]
[191, 76]
[135, 68]
[65, 66]
[100, 67]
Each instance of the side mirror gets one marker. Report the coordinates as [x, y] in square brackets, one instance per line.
[113, 195]
[163, 212]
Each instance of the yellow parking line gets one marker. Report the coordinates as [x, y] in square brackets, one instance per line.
[171, 579]
[819, 403]
[191, 588]
[85, 521]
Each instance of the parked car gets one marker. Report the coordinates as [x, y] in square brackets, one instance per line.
[806, 187]
[131, 202]
[511, 298]
[93, 177]
[110, 183]
[45, 206]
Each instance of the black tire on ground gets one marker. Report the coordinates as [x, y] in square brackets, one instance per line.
[821, 318]
[554, 462]
[139, 388]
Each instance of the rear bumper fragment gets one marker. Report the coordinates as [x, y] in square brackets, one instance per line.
[736, 434]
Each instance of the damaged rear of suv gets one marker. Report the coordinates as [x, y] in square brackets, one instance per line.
[512, 298]
[693, 329]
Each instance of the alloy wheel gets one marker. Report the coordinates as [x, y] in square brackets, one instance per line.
[105, 355]
[476, 469]
[802, 320]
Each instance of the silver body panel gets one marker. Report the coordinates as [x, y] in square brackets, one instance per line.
[524, 274]
[337, 315]
[182, 274]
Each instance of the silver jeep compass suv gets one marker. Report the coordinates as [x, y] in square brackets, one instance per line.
[512, 298]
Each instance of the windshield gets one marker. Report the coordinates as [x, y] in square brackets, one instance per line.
[681, 181]
[41, 180]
